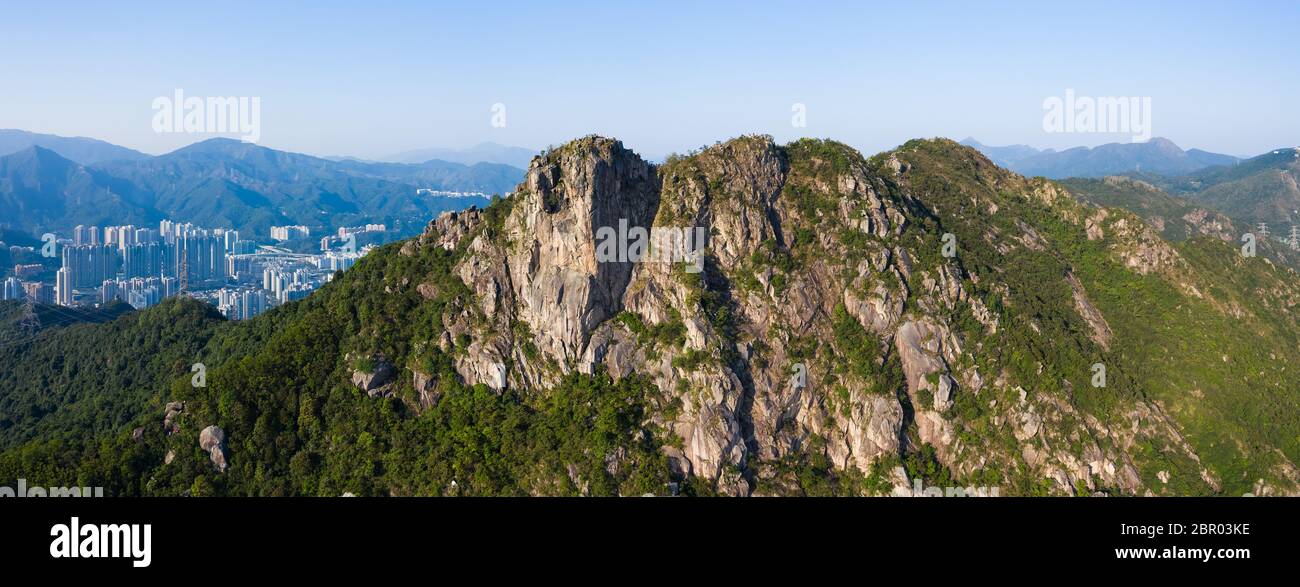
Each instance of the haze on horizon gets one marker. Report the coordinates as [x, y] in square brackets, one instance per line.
[371, 81]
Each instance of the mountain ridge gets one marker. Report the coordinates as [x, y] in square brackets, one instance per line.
[829, 345]
[1159, 155]
[38, 187]
[225, 182]
[1259, 189]
[487, 152]
[83, 150]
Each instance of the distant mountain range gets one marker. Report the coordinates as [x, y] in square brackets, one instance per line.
[1265, 188]
[52, 183]
[1259, 189]
[41, 190]
[482, 153]
[80, 149]
[225, 182]
[1159, 156]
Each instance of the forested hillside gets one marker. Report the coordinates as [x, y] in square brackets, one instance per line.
[948, 319]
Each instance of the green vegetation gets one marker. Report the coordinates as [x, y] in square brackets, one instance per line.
[811, 473]
[82, 375]
[279, 387]
[1219, 371]
[1201, 335]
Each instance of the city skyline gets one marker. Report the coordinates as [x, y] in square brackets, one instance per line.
[142, 266]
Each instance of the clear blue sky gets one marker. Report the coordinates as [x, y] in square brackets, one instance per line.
[378, 77]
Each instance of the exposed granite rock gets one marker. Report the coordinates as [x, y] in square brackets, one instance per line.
[170, 414]
[872, 432]
[427, 291]
[378, 381]
[537, 283]
[213, 441]
[1101, 333]
[426, 386]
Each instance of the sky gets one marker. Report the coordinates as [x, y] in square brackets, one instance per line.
[375, 78]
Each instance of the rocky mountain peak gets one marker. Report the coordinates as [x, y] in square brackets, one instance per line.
[847, 306]
[815, 322]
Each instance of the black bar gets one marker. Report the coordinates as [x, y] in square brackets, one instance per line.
[322, 536]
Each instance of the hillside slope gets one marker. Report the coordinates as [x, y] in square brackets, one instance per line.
[1260, 189]
[40, 189]
[828, 345]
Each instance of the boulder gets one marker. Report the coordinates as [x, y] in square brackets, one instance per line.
[427, 291]
[376, 382]
[213, 441]
[943, 396]
[427, 388]
[170, 413]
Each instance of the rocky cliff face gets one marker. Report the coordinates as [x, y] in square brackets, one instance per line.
[858, 311]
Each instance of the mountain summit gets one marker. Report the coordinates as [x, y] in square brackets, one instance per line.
[851, 326]
[80, 149]
[39, 187]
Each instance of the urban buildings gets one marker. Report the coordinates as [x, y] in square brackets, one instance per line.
[28, 271]
[347, 236]
[285, 233]
[12, 289]
[38, 292]
[242, 303]
[142, 266]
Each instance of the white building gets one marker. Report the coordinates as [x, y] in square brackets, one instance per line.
[63, 287]
[13, 290]
[285, 233]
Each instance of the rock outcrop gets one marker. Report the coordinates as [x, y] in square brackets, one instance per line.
[814, 262]
[377, 379]
[170, 415]
[213, 441]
